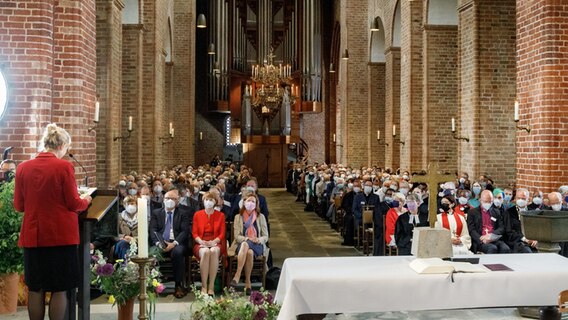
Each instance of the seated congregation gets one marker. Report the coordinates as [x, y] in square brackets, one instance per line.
[378, 208]
[206, 223]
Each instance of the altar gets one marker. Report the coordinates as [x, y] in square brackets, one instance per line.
[379, 284]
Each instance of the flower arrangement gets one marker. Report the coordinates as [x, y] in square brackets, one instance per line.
[232, 306]
[120, 280]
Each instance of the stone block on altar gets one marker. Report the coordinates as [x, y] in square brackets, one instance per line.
[431, 243]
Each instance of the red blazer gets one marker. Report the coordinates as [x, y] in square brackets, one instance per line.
[46, 191]
[390, 223]
[219, 228]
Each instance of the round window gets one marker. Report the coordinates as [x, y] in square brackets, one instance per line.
[3, 94]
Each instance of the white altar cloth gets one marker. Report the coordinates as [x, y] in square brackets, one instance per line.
[379, 284]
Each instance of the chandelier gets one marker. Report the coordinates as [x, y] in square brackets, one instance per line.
[272, 86]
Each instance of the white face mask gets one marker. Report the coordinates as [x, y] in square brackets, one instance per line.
[556, 207]
[131, 209]
[486, 206]
[208, 203]
[250, 205]
[158, 189]
[367, 189]
[521, 203]
[537, 201]
[132, 192]
[404, 191]
[498, 203]
[462, 200]
[169, 203]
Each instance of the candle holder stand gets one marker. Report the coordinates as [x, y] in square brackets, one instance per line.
[122, 137]
[526, 128]
[142, 276]
[167, 139]
[93, 127]
[455, 136]
[384, 143]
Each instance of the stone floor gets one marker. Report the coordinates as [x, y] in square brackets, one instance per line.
[294, 233]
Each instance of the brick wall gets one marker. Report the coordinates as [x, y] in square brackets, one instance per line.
[440, 96]
[411, 86]
[211, 125]
[313, 129]
[377, 90]
[109, 90]
[542, 85]
[47, 52]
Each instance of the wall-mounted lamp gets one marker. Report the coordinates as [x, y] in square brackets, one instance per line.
[526, 128]
[345, 55]
[375, 25]
[379, 139]
[331, 68]
[455, 136]
[96, 118]
[394, 135]
[201, 21]
[170, 137]
[129, 131]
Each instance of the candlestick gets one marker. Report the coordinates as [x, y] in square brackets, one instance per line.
[171, 127]
[516, 111]
[142, 228]
[334, 137]
[394, 130]
[130, 123]
[200, 135]
[453, 125]
[96, 119]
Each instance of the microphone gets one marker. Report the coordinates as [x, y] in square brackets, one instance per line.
[75, 159]
[6, 151]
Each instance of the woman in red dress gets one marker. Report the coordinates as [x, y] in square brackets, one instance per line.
[209, 241]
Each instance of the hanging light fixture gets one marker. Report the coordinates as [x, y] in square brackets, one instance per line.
[375, 25]
[211, 49]
[331, 68]
[345, 55]
[201, 21]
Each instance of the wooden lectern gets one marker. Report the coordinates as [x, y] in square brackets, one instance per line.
[103, 202]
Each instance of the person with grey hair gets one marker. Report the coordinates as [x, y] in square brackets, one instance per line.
[555, 204]
[514, 236]
[46, 191]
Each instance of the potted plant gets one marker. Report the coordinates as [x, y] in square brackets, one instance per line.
[12, 261]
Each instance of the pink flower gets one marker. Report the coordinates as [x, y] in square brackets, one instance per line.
[160, 288]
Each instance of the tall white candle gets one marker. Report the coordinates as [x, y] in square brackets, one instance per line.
[171, 127]
[453, 125]
[334, 137]
[394, 130]
[173, 132]
[378, 134]
[516, 110]
[142, 228]
[96, 112]
[130, 123]
[200, 135]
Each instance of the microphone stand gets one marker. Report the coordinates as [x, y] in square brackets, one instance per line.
[85, 170]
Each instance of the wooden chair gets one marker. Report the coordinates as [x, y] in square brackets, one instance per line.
[360, 229]
[194, 271]
[388, 250]
[563, 301]
[368, 232]
[259, 266]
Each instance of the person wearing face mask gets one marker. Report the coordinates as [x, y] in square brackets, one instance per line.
[536, 202]
[456, 223]
[555, 204]
[474, 201]
[49, 233]
[498, 200]
[348, 219]
[486, 227]
[173, 224]
[378, 220]
[462, 207]
[209, 241]
[157, 189]
[133, 189]
[405, 224]
[365, 200]
[397, 208]
[507, 198]
[513, 230]
[127, 226]
[250, 237]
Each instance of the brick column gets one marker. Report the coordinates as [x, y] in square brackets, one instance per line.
[132, 35]
[354, 97]
[411, 86]
[47, 54]
[487, 88]
[392, 106]
[440, 96]
[377, 92]
[542, 84]
[109, 91]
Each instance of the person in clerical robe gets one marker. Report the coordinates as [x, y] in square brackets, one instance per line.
[514, 236]
[456, 223]
[397, 208]
[486, 227]
[405, 224]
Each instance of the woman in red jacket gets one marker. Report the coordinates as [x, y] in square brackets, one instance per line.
[209, 241]
[46, 191]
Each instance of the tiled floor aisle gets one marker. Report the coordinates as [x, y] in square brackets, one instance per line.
[295, 233]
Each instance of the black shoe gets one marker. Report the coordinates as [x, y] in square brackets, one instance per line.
[247, 291]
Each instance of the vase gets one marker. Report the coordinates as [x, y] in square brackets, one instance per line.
[126, 310]
[9, 285]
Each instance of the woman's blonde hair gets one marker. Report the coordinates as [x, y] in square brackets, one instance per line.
[54, 137]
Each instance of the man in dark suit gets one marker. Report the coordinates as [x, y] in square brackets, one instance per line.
[378, 219]
[486, 227]
[172, 223]
[514, 236]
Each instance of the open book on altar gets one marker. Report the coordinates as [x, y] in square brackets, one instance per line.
[84, 191]
[437, 265]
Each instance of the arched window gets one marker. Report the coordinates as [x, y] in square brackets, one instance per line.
[228, 132]
[3, 94]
